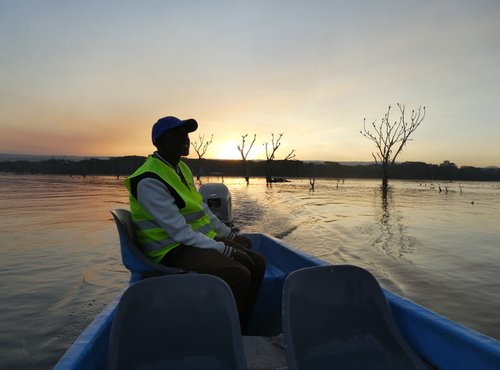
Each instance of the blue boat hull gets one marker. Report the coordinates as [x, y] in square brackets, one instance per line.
[439, 341]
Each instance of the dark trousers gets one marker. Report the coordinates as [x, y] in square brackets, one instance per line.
[244, 281]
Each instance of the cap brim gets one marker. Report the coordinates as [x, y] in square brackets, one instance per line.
[190, 124]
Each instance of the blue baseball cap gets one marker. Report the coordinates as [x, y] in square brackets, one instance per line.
[166, 123]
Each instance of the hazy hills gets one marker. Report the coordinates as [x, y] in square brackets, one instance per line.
[124, 166]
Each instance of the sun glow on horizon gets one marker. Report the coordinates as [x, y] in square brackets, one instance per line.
[229, 150]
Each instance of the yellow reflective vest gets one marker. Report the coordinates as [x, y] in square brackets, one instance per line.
[154, 240]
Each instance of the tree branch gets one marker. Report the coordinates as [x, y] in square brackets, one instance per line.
[201, 147]
[244, 155]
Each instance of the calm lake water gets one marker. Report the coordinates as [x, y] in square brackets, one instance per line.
[60, 262]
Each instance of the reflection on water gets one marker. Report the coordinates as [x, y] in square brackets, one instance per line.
[60, 265]
[392, 237]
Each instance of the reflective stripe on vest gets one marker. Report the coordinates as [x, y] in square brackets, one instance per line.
[151, 224]
[154, 246]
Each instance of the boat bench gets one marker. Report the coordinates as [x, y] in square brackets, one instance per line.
[266, 319]
[274, 280]
[274, 275]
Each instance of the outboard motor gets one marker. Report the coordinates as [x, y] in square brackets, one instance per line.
[218, 199]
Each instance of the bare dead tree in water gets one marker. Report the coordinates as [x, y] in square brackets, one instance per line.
[312, 180]
[271, 155]
[391, 137]
[200, 149]
[244, 154]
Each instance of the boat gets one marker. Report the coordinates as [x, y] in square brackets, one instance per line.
[276, 179]
[438, 341]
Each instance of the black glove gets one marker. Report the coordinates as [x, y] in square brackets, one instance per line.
[242, 257]
[243, 240]
[240, 239]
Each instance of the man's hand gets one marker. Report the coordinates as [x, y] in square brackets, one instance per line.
[242, 257]
[243, 241]
[236, 240]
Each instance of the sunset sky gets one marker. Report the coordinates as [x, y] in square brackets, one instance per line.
[91, 77]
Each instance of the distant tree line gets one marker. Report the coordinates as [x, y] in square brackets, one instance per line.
[124, 166]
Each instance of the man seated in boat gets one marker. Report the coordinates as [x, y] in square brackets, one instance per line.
[176, 228]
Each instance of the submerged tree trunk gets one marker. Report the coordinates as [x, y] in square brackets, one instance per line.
[247, 172]
[198, 175]
[385, 176]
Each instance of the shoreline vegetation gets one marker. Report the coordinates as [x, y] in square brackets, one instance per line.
[124, 166]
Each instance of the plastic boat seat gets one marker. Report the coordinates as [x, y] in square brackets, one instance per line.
[176, 322]
[337, 317]
[133, 258]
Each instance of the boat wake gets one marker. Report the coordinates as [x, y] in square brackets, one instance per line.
[89, 278]
[282, 234]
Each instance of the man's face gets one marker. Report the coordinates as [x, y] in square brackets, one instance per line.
[174, 142]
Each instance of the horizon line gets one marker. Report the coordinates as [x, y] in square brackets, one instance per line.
[66, 156]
